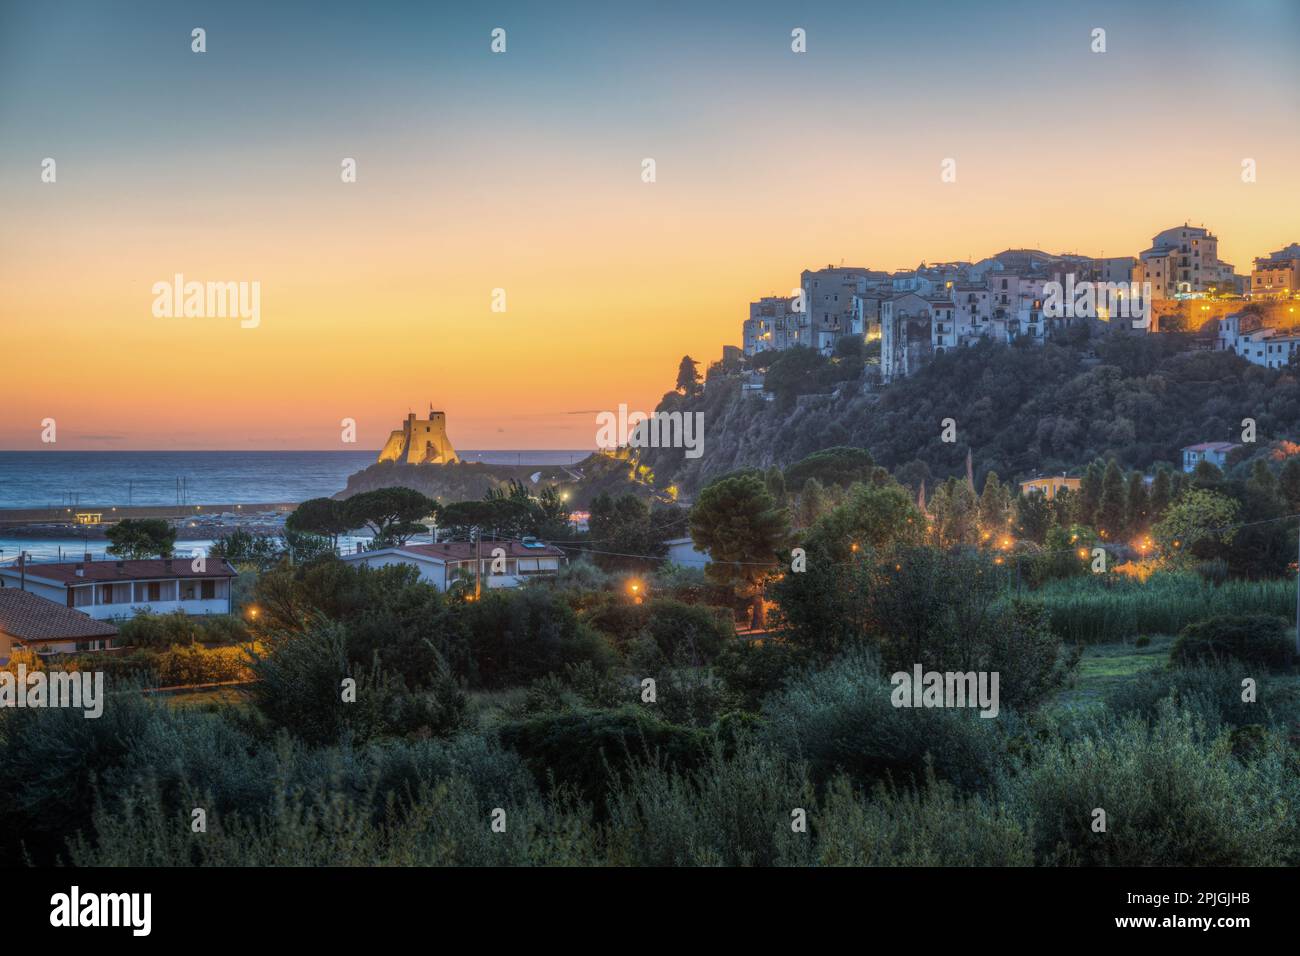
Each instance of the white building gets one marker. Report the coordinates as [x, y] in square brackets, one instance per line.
[110, 589]
[1215, 452]
[501, 564]
[1257, 344]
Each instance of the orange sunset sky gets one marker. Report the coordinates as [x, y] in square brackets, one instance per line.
[522, 171]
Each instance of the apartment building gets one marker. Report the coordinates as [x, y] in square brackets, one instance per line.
[1184, 261]
[1277, 276]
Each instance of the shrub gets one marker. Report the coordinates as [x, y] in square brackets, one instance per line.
[192, 664]
[840, 720]
[680, 631]
[1257, 639]
[514, 637]
[753, 670]
[1210, 691]
[934, 826]
[1172, 796]
[589, 750]
[727, 811]
[300, 688]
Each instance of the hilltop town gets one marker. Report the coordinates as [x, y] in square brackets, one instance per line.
[1178, 284]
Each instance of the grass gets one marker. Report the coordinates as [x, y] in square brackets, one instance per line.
[1102, 609]
[1105, 666]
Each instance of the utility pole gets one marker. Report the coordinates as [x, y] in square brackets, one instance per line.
[1297, 594]
[478, 560]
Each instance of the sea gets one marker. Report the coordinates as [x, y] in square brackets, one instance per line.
[43, 479]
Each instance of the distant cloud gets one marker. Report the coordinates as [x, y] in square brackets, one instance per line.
[101, 437]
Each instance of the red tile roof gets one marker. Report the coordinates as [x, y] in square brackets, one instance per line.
[27, 617]
[98, 571]
[465, 550]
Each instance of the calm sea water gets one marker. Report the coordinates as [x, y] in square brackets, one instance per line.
[38, 479]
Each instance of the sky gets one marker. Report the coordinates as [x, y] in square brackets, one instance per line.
[522, 171]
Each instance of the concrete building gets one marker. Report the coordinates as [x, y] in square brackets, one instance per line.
[828, 296]
[774, 325]
[1184, 261]
[29, 622]
[109, 589]
[501, 564]
[420, 442]
[905, 335]
[1277, 276]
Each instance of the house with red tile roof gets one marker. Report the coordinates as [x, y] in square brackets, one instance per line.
[107, 589]
[33, 623]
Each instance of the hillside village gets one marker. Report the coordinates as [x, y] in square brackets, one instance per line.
[916, 314]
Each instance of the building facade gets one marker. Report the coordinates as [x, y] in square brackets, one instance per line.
[109, 589]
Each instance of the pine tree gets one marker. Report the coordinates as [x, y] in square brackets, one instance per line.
[1137, 504]
[1110, 511]
[1089, 496]
[1161, 495]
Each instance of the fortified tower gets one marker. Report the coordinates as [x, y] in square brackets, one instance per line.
[420, 442]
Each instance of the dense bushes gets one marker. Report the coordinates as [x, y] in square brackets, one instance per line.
[1172, 797]
[516, 637]
[166, 630]
[1258, 639]
[681, 633]
[587, 750]
[192, 664]
[305, 684]
[840, 720]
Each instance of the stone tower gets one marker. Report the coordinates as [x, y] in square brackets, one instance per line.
[420, 442]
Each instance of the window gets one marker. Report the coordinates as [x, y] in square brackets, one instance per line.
[209, 591]
[189, 590]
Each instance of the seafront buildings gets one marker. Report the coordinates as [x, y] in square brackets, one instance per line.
[918, 313]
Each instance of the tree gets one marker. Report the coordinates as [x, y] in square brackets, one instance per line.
[1089, 499]
[688, 377]
[812, 503]
[1289, 484]
[775, 481]
[995, 505]
[1161, 495]
[325, 517]
[136, 538]
[393, 514]
[841, 466]
[623, 533]
[1196, 526]
[243, 547]
[1034, 515]
[1110, 509]
[740, 526]
[1137, 504]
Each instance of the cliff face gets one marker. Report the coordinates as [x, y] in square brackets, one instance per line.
[1019, 411]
